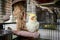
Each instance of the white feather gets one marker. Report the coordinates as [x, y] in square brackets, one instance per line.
[32, 25]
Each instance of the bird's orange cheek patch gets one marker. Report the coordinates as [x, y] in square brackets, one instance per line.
[32, 18]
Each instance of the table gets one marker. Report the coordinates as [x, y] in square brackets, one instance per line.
[5, 35]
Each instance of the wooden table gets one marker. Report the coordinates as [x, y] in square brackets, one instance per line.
[5, 35]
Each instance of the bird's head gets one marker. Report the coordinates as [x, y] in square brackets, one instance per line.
[32, 17]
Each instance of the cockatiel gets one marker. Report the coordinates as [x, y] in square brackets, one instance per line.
[32, 25]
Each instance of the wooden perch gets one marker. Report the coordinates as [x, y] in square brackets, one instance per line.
[40, 6]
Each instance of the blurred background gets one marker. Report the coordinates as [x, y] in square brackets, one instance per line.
[49, 22]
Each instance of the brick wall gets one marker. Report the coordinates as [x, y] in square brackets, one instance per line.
[0, 6]
[1, 16]
[5, 9]
[8, 6]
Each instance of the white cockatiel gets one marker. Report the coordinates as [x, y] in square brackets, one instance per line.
[32, 25]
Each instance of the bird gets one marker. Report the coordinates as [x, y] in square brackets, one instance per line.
[32, 25]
